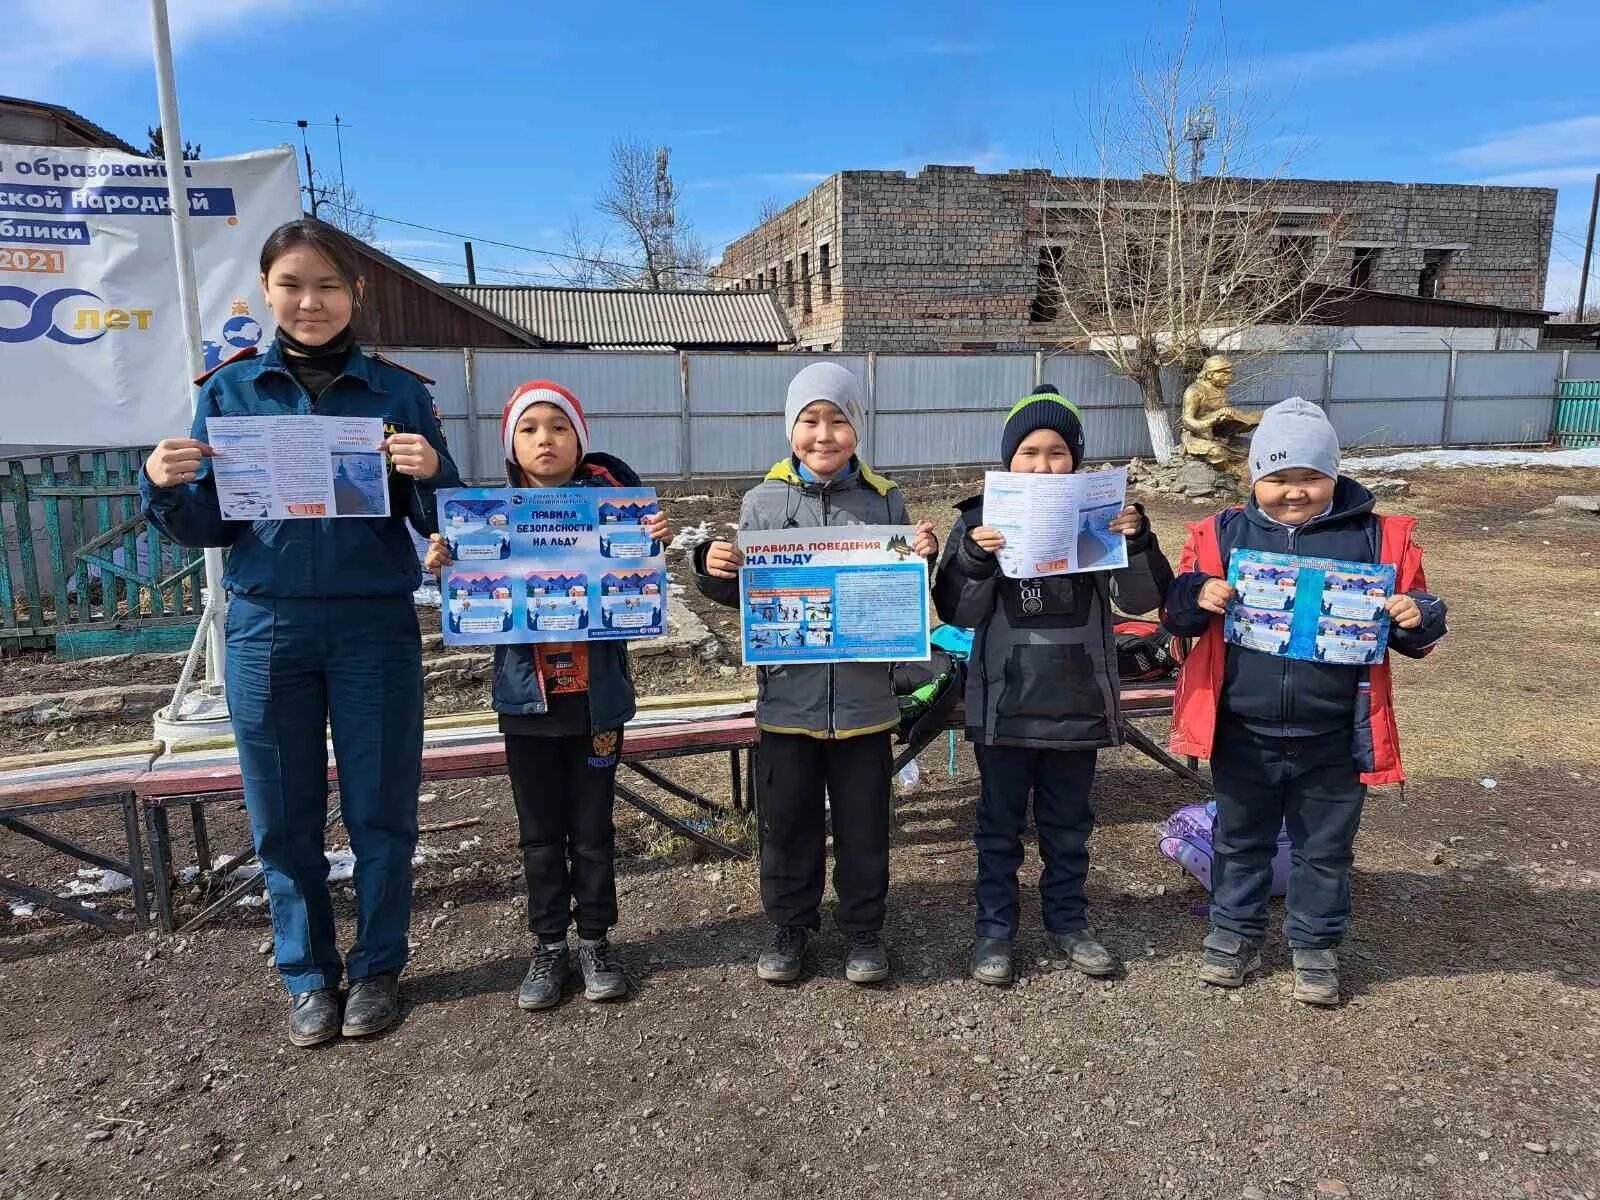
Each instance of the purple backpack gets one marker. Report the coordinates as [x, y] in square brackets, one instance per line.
[1185, 838]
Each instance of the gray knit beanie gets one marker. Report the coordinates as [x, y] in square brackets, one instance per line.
[1294, 433]
[825, 381]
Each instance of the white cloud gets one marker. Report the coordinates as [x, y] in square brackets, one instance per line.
[1553, 177]
[1572, 140]
[1427, 44]
[46, 39]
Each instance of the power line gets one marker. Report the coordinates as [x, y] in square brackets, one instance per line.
[467, 237]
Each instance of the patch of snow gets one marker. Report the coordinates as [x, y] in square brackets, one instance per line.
[688, 499]
[426, 853]
[691, 536]
[1411, 459]
[341, 864]
[97, 881]
[23, 911]
[257, 900]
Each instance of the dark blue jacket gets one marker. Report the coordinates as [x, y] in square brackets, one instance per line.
[345, 557]
[1284, 697]
[517, 691]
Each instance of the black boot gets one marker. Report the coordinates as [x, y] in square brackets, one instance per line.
[547, 975]
[602, 975]
[314, 1019]
[373, 1006]
[781, 961]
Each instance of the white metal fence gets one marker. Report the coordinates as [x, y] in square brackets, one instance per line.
[687, 415]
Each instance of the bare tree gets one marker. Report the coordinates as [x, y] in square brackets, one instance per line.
[1152, 261]
[337, 203]
[647, 244]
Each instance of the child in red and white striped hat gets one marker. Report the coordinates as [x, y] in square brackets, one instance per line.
[545, 435]
[562, 708]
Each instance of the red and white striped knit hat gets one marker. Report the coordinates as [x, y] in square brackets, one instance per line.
[542, 391]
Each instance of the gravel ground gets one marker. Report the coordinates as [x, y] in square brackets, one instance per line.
[1462, 1065]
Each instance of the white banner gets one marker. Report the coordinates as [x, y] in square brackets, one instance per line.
[91, 334]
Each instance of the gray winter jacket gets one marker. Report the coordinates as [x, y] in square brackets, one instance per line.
[839, 700]
[1044, 661]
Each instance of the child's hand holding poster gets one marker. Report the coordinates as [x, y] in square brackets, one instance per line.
[1056, 524]
[1317, 609]
[551, 565]
[849, 593]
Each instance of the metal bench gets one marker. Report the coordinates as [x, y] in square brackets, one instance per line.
[27, 793]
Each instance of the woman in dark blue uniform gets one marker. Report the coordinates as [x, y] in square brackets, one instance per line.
[321, 628]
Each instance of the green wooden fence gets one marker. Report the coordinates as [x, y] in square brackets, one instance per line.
[1578, 413]
[77, 556]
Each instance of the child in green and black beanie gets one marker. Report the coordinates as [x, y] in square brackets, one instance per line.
[1042, 693]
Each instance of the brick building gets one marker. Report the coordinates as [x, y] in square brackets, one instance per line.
[950, 259]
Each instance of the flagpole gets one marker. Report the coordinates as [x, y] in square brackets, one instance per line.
[211, 618]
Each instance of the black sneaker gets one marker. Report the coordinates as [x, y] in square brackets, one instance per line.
[1228, 959]
[602, 975]
[373, 1006]
[1316, 977]
[865, 959]
[781, 961]
[547, 975]
[1083, 952]
[991, 962]
[314, 1018]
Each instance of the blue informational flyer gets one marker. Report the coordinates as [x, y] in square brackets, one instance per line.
[849, 593]
[1316, 609]
[551, 565]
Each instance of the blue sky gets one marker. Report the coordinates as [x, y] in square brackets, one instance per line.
[495, 119]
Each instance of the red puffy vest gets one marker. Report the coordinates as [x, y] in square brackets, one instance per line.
[1199, 690]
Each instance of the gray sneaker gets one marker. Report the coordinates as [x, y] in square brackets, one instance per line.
[1084, 952]
[865, 959]
[781, 961]
[1316, 977]
[547, 975]
[991, 961]
[372, 1006]
[602, 975]
[1228, 959]
[314, 1018]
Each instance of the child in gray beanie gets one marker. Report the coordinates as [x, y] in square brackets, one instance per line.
[1292, 743]
[825, 728]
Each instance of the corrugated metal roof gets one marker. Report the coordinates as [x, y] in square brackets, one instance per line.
[620, 317]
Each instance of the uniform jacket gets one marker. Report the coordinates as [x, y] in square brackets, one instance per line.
[345, 557]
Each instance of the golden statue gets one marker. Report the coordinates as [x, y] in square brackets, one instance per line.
[1212, 429]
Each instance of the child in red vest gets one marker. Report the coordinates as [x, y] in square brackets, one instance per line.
[1292, 743]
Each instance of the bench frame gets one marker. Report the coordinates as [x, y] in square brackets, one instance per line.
[14, 815]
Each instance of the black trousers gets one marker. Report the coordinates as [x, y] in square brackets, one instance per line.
[796, 772]
[564, 789]
[1058, 782]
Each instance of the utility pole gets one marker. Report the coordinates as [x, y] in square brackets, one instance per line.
[1588, 247]
[472, 268]
[338, 136]
[311, 180]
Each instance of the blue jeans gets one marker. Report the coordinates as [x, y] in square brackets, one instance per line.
[1058, 782]
[1312, 787]
[295, 666]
